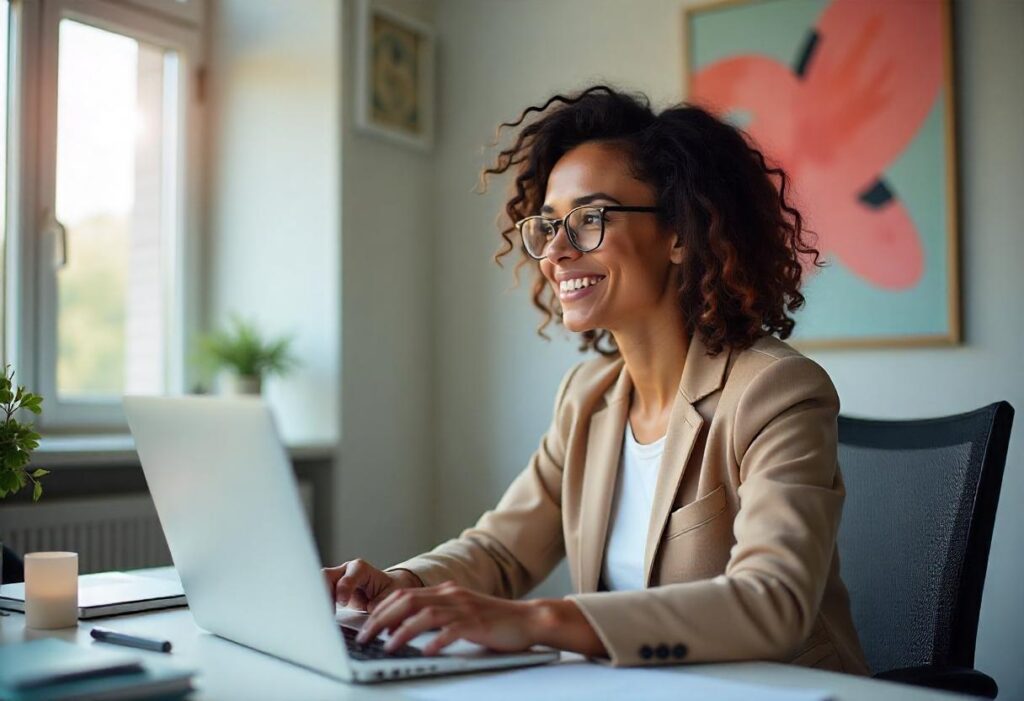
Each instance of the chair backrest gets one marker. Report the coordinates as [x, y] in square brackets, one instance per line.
[12, 568]
[914, 540]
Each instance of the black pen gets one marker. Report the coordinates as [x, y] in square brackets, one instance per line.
[106, 635]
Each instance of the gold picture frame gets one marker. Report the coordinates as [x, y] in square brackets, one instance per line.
[394, 76]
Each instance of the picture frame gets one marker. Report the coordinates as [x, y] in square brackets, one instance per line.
[890, 235]
[394, 76]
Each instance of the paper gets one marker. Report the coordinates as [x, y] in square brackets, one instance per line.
[580, 681]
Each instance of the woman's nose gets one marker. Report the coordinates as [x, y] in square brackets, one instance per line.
[559, 248]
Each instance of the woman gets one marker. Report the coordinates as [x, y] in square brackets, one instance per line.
[689, 474]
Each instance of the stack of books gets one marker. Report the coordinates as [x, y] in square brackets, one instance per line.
[56, 670]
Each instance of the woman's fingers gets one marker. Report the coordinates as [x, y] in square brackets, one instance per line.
[486, 620]
[388, 599]
[389, 614]
[398, 606]
[432, 616]
[333, 574]
[354, 587]
[448, 635]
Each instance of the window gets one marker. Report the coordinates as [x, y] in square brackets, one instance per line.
[4, 49]
[103, 245]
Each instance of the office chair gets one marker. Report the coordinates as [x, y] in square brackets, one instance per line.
[12, 569]
[921, 500]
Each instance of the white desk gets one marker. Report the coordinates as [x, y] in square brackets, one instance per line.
[230, 671]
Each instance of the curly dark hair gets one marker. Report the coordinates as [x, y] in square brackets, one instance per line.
[742, 238]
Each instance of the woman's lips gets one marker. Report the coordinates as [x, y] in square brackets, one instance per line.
[572, 295]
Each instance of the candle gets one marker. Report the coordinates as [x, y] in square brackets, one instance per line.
[51, 590]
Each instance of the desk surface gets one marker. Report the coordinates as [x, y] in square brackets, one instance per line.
[230, 671]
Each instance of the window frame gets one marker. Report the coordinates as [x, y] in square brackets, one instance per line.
[31, 319]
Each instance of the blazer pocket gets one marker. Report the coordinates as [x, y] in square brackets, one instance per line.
[696, 513]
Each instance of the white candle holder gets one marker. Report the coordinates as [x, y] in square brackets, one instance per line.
[51, 590]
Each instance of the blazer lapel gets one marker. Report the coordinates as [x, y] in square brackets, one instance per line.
[702, 375]
[604, 446]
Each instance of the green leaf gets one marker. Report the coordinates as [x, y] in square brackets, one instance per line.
[9, 481]
[40, 472]
[37, 491]
[6, 396]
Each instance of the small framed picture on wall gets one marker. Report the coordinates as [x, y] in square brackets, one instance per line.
[395, 76]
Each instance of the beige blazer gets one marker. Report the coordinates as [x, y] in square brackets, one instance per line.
[741, 558]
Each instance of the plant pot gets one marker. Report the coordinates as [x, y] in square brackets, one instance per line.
[232, 384]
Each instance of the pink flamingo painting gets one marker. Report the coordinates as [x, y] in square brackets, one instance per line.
[869, 74]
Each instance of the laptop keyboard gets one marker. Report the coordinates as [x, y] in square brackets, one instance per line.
[374, 650]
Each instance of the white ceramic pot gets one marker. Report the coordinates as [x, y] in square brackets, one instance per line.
[230, 383]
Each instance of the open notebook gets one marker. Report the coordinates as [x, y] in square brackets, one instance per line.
[109, 594]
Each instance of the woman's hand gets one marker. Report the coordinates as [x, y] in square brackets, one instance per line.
[498, 624]
[358, 584]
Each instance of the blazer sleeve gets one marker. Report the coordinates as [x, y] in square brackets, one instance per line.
[514, 546]
[790, 502]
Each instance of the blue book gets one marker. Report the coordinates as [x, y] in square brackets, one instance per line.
[56, 670]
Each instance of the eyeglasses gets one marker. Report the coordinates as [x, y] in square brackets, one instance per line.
[584, 227]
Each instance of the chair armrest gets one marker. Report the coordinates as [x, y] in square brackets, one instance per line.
[959, 679]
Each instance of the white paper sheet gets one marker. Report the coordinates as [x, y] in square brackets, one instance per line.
[580, 681]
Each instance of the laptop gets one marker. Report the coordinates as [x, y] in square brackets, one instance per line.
[230, 509]
[109, 594]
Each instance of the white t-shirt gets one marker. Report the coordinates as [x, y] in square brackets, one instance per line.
[631, 513]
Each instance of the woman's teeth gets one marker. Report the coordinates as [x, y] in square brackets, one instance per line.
[578, 283]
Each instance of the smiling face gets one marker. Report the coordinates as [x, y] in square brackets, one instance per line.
[631, 276]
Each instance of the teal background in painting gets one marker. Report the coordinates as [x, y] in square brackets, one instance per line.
[840, 304]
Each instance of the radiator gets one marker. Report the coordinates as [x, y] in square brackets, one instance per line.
[108, 533]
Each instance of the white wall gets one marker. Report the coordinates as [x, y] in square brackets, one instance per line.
[317, 229]
[272, 244]
[495, 380]
[384, 481]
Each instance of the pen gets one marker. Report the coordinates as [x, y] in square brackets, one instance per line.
[112, 636]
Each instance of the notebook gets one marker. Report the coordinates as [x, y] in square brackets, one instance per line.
[56, 670]
[109, 594]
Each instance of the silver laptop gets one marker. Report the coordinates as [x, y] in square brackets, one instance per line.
[230, 509]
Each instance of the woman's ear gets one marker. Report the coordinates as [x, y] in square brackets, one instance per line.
[675, 253]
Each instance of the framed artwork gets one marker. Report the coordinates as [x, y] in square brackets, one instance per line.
[395, 76]
[854, 100]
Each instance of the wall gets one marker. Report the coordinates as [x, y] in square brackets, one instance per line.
[316, 229]
[496, 380]
[385, 474]
[272, 245]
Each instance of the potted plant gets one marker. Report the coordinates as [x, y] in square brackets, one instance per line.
[17, 441]
[244, 358]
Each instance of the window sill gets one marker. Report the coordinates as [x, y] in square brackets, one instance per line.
[115, 450]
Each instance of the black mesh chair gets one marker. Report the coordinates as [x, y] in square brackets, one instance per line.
[914, 540]
[12, 569]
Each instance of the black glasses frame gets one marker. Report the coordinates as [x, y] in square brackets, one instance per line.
[570, 234]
